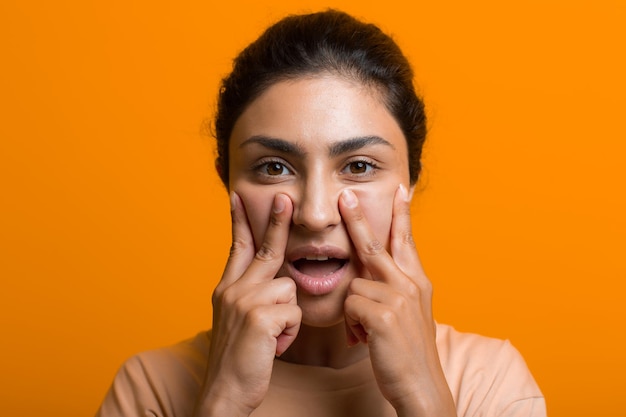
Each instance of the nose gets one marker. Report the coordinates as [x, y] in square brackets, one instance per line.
[316, 206]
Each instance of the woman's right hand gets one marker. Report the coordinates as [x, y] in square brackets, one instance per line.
[255, 316]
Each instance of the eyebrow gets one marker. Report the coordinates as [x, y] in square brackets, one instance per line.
[276, 144]
[354, 144]
[335, 149]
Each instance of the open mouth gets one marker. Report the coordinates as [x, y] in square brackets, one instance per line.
[318, 266]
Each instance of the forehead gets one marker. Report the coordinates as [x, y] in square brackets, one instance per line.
[315, 111]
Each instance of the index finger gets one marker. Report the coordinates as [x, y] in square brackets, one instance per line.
[242, 244]
[269, 258]
[369, 248]
[403, 249]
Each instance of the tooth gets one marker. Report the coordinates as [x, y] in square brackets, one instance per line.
[317, 258]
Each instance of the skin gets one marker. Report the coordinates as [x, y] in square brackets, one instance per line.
[295, 184]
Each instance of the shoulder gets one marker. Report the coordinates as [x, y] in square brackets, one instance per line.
[487, 376]
[160, 382]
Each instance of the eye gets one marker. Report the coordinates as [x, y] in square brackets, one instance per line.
[271, 170]
[360, 168]
[274, 169]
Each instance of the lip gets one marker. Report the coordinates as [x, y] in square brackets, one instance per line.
[313, 250]
[317, 285]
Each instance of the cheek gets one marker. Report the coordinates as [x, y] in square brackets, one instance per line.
[258, 206]
[377, 205]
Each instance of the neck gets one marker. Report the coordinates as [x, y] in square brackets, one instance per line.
[327, 346]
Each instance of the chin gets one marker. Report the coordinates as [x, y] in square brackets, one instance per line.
[321, 313]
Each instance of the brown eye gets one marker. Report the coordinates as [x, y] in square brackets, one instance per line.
[358, 167]
[275, 168]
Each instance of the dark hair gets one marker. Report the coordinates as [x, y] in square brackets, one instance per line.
[325, 42]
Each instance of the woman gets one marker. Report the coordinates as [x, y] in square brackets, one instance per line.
[323, 308]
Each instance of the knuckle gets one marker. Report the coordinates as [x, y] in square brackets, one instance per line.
[374, 247]
[399, 303]
[285, 284]
[407, 238]
[237, 246]
[255, 318]
[230, 298]
[389, 318]
[358, 216]
[349, 300]
[266, 253]
[421, 289]
[413, 290]
[216, 297]
[241, 306]
[356, 285]
[291, 285]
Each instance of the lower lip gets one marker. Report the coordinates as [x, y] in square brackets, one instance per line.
[317, 285]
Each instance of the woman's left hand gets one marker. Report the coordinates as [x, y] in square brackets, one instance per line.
[392, 313]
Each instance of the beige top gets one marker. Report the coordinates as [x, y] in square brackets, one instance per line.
[487, 377]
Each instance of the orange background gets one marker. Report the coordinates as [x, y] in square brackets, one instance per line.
[114, 228]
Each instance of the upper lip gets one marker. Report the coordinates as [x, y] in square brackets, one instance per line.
[316, 251]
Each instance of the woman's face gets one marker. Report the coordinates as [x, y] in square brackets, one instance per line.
[310, 138]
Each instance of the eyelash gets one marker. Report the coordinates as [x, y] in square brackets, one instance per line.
[371, 168]
[263, 165]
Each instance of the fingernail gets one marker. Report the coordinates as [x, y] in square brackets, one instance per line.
[233, 201]
[349, 198]
[279, 204]
[404, 192]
